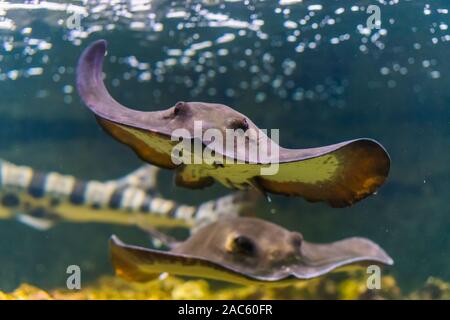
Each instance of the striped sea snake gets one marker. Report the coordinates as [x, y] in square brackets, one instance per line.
[42, 199]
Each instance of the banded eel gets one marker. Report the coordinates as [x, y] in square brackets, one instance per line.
[42, 199]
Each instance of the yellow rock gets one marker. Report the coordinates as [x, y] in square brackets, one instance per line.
[348, 285]
[191, 290]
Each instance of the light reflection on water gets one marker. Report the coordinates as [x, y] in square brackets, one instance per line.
[251, 34]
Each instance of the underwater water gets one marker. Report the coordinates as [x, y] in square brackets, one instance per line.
[311, 68]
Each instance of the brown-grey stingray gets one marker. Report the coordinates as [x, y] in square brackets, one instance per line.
[244, 250]
[339, 174]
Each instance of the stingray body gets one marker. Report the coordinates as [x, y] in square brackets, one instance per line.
[244, 250]
[340, 174]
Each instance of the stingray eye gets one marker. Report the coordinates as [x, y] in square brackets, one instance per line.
[178, 107]
[238, 123]
[243, 245]
[296, 239]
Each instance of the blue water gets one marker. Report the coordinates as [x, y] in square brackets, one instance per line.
[311, 68]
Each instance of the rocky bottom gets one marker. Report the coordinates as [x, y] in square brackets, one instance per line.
[348, 285]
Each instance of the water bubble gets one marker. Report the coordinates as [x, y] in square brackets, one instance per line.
[435, 74]
[67, 89]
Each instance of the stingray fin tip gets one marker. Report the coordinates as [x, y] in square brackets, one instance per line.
[387, 260]
[98, 47]
[115, 241]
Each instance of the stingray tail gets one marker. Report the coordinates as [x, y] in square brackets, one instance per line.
[144, 177]
[241, 203]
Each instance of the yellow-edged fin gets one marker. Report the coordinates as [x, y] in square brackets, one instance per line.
[151, 147]
[142, 265]
[340, 174]
[340, 177]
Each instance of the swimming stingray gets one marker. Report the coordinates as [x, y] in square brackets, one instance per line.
[244, 250]
[339, 174]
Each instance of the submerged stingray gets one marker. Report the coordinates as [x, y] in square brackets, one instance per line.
[244, 250]
[339, 174]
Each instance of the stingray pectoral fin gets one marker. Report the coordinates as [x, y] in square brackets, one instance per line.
[340, 174]
[150, 146]
[147, 133]
[141, 264]
[127, 263]
[186, 177]
[319, 259]
[94, 94]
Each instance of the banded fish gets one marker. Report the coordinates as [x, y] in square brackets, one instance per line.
[42, 199]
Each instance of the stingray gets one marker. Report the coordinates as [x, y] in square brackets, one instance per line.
[339, 174]
[244, 250]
